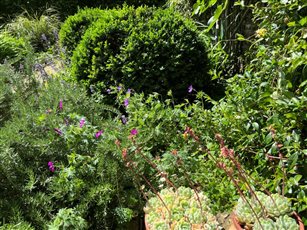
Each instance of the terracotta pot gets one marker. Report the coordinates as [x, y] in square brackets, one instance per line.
[146, 224]
[299, 220]
[235, 222]
[237, 225]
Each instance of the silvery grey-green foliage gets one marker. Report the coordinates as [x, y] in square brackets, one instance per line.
[271, 211]
[281, 223]
[186, 208]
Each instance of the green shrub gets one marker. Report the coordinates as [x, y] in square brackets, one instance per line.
[51, 164]
[18, 226]
[145, 49]
[75, 26]
[68, 219]
[10, 47]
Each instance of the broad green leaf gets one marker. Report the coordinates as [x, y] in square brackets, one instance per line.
[303, 21]
[219, 10]
[290, 24]
[240, 37]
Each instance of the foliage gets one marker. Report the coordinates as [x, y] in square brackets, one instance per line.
[14, 86]
[75, 26]
[168, 48]
[161, 149]
[67, 219]
[178, 209]
[263, 209]
[19, 226]
[67, 159]
[48, 159]
[5, 97]
[40, 30]
[11, 47]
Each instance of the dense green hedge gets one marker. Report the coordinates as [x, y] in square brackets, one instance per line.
[75, 26]
[148, 50]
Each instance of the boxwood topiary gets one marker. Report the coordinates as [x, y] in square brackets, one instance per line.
[147, 49]
[164, 53]
[95, 60]
[75, 26]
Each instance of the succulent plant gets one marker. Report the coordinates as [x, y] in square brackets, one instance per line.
[286, 223]
[281, 223]
[247, 214]
[265, 223]
[278, 205]
[272, 212]
[182, 209]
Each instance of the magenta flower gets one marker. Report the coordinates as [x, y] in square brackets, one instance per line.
[58, 131]
[190, 89]
[134, 132]
[51, 166]
[61, 105]
[82, 122]
[126, 102]
[98, 134]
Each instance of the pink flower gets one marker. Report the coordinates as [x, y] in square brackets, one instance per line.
[98, 134]
[82, 122]
[51, 166]
[61, 105]
[133, 132]
[190, 89]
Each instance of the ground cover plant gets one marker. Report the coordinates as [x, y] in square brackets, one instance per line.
[94, 155]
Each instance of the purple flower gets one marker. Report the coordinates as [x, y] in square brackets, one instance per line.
[124, 119]
[82, 122]
[128, 91]
[126, 102]
[133, 132]
[66, 121]
[108, 91]
[119, 88]
[98, 134]
[58, 131]
[51, 166]
[190, 89]
[61, 105]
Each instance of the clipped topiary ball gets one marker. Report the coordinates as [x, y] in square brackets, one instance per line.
[75, 26]
[146, 49]
[164, 53]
